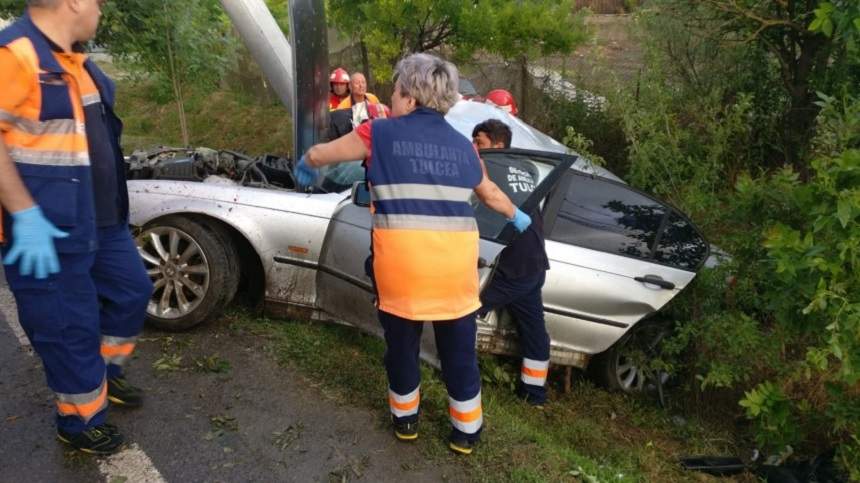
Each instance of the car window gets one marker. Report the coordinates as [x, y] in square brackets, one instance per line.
[680, 244]
[609, 217]
[518, 176]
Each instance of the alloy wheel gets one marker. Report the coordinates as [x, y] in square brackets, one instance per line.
[178, 268]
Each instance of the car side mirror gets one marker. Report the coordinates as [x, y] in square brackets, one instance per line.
[360, 194]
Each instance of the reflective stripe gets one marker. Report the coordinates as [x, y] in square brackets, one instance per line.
[40, 128]
[404, 405]
[85, 405]
[117, 350]
[466, 416]
[425, 222]
[49, 158]
[414, 191]
[90, 99]
[534, 372]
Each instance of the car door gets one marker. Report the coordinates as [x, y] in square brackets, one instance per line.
[345, 291]
[616, 256]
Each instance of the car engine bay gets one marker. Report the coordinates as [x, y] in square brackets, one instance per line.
[211, 166]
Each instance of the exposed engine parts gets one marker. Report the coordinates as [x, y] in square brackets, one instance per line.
[201, 164]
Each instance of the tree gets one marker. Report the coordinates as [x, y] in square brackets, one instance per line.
[804, 38]
[11, 8]
[388, 29]
[525, 30]
[175, 43]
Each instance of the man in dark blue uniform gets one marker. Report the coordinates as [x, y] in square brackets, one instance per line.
[518, 281]
[78, 281]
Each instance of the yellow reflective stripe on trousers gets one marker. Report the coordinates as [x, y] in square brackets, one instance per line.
[534, 372]
[467, 416]
[425, 222]
[415, 191]
[404, 405]
[83, 405]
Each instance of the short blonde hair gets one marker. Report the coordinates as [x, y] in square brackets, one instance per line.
[431, 81]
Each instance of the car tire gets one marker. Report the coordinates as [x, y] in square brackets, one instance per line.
[195, 270]
[620, 368]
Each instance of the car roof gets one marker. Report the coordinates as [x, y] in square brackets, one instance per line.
[465, 115]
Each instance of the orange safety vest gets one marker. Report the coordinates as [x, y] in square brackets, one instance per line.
[45, 133]
[334, 100]
[347, 102]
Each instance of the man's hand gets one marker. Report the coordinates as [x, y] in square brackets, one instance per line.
[33, 242]
[305, 174]
[520, 220]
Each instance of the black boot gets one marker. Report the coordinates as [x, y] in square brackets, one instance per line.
[406, 431]
[101, 440]
[122, 393]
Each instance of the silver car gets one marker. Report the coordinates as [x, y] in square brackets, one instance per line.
[210, 224]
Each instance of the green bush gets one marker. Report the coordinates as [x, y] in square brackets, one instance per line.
[775, 329]
[786, 330]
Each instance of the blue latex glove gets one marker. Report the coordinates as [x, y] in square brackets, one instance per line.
[33, 243]
[305, 175]
[520, 220]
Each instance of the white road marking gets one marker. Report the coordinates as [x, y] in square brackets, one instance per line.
[131, 465]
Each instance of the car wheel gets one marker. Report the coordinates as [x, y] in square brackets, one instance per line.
[193, 268]
[624, 366]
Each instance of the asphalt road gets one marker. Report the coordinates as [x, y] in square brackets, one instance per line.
[256, 422]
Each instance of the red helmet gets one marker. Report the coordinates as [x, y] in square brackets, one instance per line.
[339, 76]
[503, 100]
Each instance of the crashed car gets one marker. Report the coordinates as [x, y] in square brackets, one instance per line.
[208, 222]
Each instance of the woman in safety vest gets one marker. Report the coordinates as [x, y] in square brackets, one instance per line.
[422, 173]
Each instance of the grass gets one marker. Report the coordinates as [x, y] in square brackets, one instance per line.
[586, 435]
[241, 120]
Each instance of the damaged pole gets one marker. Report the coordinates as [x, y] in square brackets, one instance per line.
[297, 69]
[266, 42]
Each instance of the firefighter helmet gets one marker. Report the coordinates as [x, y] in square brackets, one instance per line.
[339, 76]
[503, 100]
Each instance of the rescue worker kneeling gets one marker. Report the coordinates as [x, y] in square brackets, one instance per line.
[62, 180]
[422, 173]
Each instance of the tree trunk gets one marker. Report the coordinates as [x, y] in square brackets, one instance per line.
[799, 121]
[177, 93]
[798, 130]
[180, 105]
[365, 63]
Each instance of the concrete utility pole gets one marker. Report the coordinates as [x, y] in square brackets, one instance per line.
[297, 70]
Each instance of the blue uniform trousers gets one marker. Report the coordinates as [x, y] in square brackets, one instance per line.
[522, 297]
[83, 322]
[455, 342]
